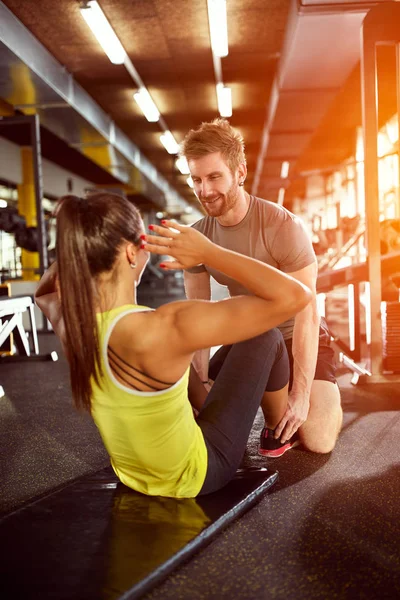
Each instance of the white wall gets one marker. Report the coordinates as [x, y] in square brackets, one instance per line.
[55, 181]
[54, 177]
[10, 162]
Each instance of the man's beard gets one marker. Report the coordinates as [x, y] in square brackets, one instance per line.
[224, 203]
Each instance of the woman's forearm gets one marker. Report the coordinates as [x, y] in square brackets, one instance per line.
[47, 299]
[47, 284]
[259, 278]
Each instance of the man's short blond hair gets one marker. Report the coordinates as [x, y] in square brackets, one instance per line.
[215, 136]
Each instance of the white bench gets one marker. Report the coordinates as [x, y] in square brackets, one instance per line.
[11, 312]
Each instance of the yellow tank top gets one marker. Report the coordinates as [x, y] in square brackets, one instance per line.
[154, 442]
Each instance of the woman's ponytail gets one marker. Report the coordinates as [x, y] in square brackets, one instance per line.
[77, 299]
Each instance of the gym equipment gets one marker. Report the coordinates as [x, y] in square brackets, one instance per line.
[11, 313]
[25, 237]
[352, 276]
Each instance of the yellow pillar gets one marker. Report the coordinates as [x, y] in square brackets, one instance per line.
[103, 154]
[27, 208]
[6, 110]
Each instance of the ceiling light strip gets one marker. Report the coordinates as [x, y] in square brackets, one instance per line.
[147, 105]
[218, 24]
[224, 98]
[182, 164]
[219, 31]
[169, 142]
[103, 32]
[285, 169]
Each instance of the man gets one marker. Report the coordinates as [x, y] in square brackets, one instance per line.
[270, 233]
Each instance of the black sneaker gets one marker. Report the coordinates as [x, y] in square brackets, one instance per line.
[273, 448]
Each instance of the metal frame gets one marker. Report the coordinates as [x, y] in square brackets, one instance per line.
[380, 26]
[11, 311]
[355, 275]
[65, 91]
[32, 121]
[333, 7]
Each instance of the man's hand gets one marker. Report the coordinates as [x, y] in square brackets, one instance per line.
[187, 246]
[296, 414]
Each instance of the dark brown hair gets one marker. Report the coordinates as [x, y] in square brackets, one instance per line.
[216, 136]
[90, 232]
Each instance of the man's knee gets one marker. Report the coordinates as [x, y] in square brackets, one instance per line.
[320, 444]
[320, 432]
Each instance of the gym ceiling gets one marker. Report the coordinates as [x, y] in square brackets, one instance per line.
[293, 69]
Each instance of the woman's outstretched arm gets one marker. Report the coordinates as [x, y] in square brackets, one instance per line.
[200, 324]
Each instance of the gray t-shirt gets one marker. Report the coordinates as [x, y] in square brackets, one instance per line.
[268, 232]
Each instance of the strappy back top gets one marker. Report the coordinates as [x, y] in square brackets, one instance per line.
[154, 442]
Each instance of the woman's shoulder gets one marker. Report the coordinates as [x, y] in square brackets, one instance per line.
[150, 342]
[142, 328]
[133, 325]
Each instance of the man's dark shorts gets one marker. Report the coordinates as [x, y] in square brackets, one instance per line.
[326, 365]
[324, 370]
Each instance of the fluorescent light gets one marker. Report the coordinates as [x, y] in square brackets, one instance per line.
[281, 196]
[190, 183]
[147, 106]
[3, 203]
[169, 142]
[284, 170]
[103, 32]
[218, 27]
[182, 165]
[224, 98]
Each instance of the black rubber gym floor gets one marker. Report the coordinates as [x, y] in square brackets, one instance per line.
[330, 528]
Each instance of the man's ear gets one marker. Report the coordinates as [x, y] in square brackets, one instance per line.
[242, 171]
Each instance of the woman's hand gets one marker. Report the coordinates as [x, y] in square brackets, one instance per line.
[186, 245]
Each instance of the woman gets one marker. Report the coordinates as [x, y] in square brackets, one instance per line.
[129, 364]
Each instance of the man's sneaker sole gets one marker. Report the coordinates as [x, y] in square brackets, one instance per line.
[279, 451]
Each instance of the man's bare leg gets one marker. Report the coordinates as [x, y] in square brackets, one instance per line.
[320, 432]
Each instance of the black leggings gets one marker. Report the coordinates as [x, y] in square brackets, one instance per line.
[232, 404]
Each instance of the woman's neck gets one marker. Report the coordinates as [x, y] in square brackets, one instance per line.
[112, 296]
